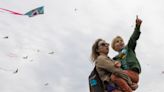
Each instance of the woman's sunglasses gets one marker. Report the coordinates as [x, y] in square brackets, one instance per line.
[104, 44]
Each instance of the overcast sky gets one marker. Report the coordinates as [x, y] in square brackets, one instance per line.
[52, 51]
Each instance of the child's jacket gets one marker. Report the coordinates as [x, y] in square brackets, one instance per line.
[127, 55]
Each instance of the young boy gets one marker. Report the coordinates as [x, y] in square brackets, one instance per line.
[127, 56]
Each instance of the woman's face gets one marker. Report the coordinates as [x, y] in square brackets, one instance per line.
[103, 47]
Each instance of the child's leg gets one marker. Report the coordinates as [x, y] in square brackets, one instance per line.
[121, 83]
[116, 90]
[134, 76]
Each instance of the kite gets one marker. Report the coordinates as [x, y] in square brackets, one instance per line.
[25, 57]
[51, 52]
[31, 13]
[16, 71]
[8, 70]
[6, 37]
[162, 72]
[34, 12]
[46, 84]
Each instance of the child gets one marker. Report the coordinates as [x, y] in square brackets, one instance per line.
[127, 56]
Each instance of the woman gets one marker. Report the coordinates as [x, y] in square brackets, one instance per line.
[106, 68]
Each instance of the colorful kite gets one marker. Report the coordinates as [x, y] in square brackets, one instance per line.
[34, 12]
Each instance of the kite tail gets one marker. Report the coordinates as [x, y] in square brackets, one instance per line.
[13, 12]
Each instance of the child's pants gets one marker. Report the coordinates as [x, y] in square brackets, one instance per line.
[134, 76]
[122, 83]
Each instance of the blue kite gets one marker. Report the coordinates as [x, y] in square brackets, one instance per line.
[34, 12]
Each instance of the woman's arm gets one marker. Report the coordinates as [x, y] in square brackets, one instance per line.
[105, 63]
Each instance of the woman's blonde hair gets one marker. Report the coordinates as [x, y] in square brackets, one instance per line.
[114, 41]
[94, 53]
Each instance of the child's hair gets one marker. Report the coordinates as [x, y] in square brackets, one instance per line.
[114, 41]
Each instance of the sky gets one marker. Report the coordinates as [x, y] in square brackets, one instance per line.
[51, 52]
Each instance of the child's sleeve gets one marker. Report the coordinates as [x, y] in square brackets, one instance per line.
[134, 37]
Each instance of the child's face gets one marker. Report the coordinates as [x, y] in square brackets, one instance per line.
[119, 44]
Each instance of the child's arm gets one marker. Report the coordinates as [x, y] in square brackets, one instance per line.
[135, 36]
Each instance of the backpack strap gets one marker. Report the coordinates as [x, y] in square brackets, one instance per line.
[95, 83]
